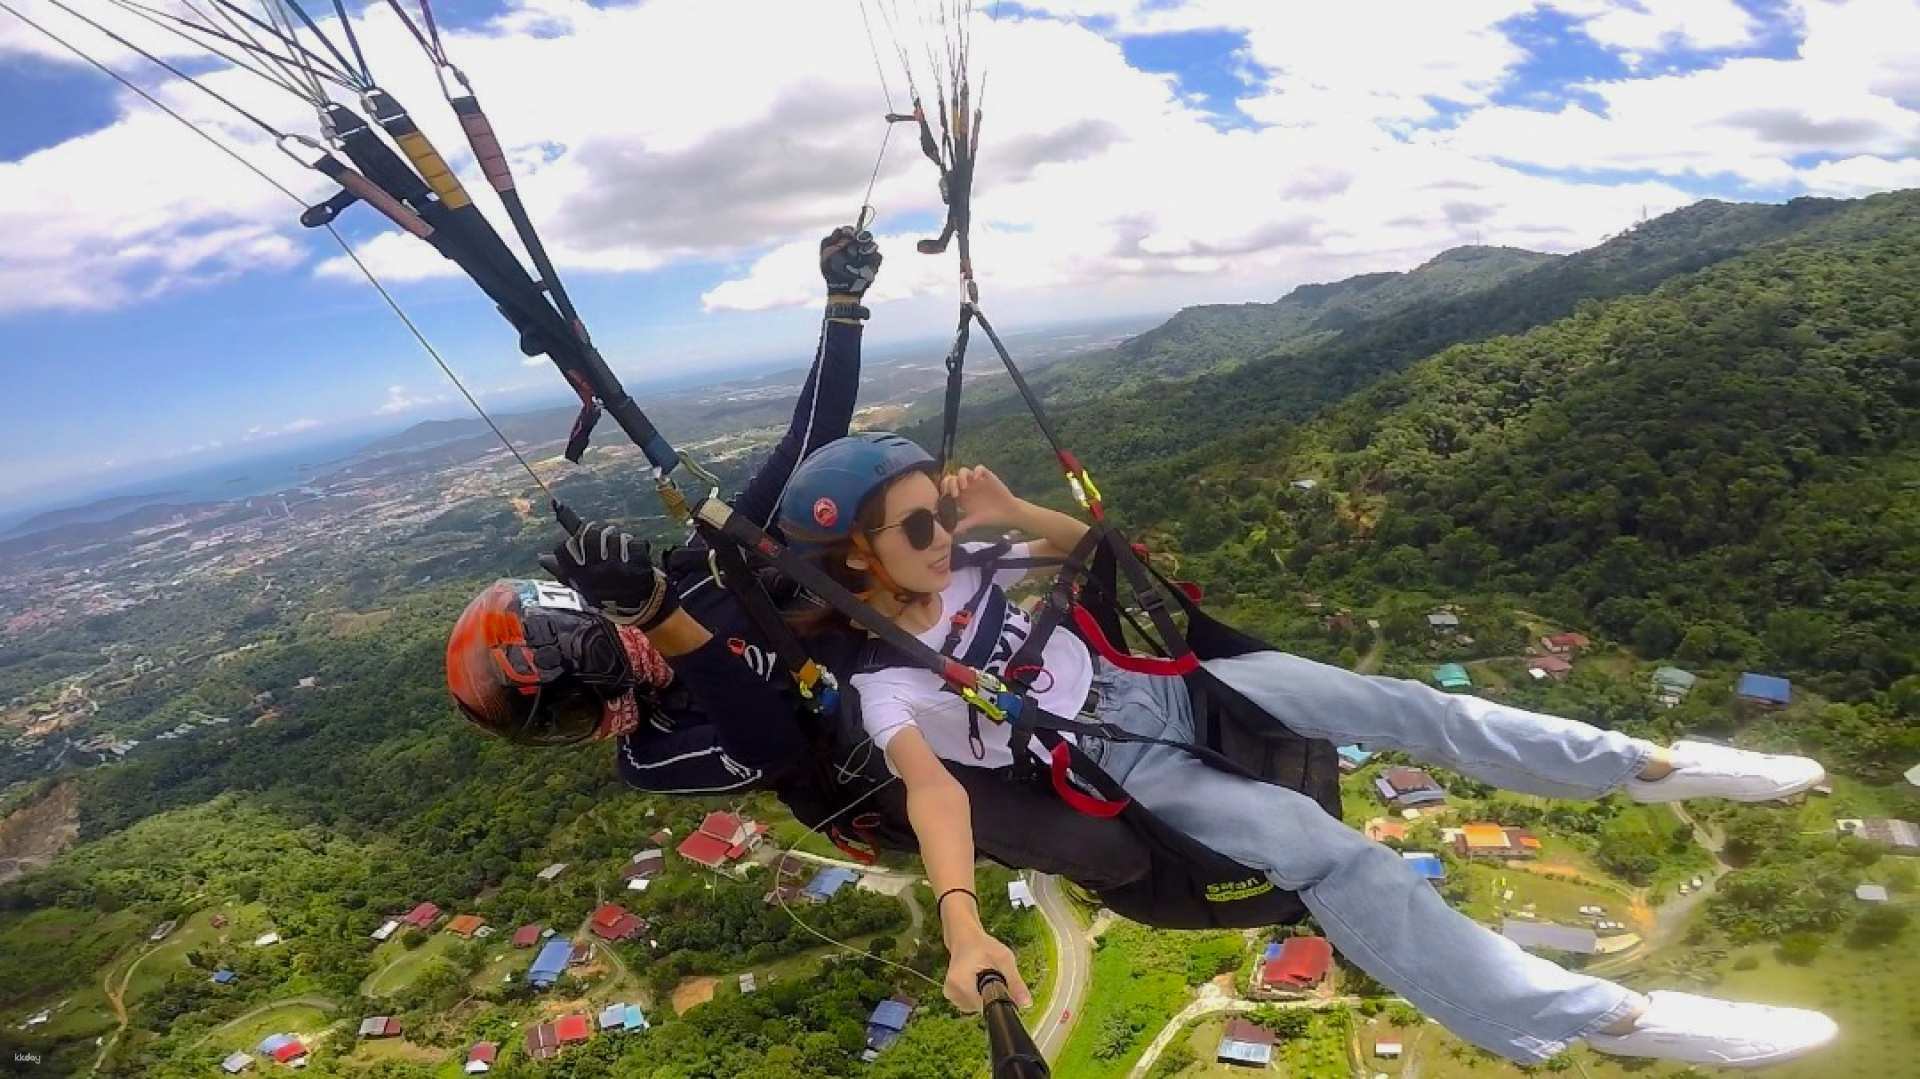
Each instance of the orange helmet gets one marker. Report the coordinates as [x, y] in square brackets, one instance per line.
[529, 662]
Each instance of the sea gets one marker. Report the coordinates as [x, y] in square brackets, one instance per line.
[238, 478]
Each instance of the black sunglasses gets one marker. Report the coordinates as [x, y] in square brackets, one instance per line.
[918, 525]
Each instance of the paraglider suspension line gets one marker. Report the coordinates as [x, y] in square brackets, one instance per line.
[781, 868]
[373, 280]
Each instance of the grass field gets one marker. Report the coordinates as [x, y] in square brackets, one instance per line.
[1554, 899]
[86, 1014]
[298, 1019]
[514, 962]
[395, 967]
[1874, 995]
[370, 1052]
[170, 956]
[1139, 983]
[67, 948]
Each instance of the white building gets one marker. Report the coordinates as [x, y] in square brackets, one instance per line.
[1020, 895]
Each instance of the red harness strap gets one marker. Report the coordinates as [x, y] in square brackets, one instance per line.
[1096, 637]
[863, 850]
[1073, 796]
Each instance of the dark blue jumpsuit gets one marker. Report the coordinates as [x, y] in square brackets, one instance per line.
[720, 731]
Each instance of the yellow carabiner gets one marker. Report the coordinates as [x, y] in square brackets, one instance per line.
[1086, 480]
[985, 704]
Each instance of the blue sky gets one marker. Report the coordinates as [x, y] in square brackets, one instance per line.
[163, 309]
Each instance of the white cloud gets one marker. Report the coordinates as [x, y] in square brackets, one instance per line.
[1101, 186]
[1862, 175]
[1747, 118]
[1639, 27]
[400, 399]
[261, 431]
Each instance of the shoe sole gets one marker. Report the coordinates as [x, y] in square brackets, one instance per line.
[1782, 1057]
[1798, 790]
[1793, 791]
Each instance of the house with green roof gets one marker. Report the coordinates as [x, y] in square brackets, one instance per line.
[1452, 676]
[1671, 685]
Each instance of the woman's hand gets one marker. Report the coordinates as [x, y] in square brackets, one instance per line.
[972, 951]
[983, 498]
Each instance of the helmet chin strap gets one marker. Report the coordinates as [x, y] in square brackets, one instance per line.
[883, 582]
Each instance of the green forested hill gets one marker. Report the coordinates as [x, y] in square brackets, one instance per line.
[1724, 470]
[1163, 419]
[1215, 337]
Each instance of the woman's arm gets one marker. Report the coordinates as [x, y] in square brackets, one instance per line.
[985, 502]
[942, 819]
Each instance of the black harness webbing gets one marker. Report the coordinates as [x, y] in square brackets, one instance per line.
[734, 575]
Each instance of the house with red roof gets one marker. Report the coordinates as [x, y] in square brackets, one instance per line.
[542, 1042]
[573, 1029]
[614, 922]
[480, 1058]
[289, 1052]
[1299, 967]
[721, 839]
[1563, 643]
[1555, 667]
[422, 916]
[526, 936]
[466, 925]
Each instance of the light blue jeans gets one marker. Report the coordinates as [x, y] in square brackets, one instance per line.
[1380, 914]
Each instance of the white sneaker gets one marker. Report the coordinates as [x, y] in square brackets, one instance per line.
[1705, 770]
[1729, 1034]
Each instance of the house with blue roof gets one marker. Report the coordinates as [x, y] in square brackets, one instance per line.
[1764, 690]
[623, 1017]
[827, 883]
[1427, 864]
[1353, 758]
[889, 1018]
[550, 963]
[223, 976]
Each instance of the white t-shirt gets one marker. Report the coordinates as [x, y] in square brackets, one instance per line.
[898, 697]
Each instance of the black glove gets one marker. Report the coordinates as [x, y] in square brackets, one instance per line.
[849, 261]
[615, 572]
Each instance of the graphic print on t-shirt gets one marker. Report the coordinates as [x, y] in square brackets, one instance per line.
[899, 697]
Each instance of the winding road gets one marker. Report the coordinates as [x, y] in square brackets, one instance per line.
[1076, 965]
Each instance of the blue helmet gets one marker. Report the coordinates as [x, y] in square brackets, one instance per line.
[824, 494]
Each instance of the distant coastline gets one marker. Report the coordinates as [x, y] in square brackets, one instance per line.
[223, 482]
